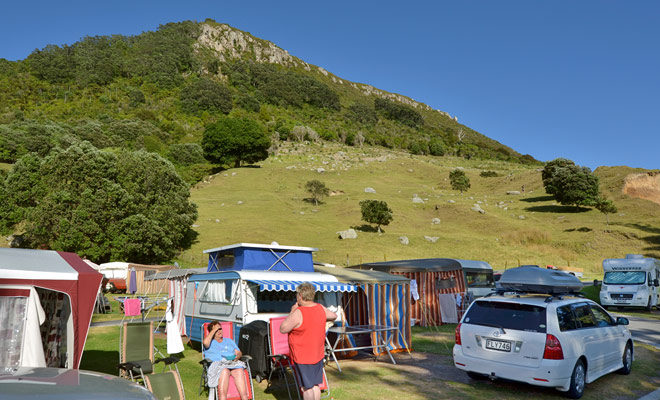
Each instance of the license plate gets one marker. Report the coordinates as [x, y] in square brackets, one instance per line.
[498, 345]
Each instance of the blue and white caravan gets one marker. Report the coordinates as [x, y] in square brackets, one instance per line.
[247, 282]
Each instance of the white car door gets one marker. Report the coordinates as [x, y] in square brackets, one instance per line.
[614, 340]
[593, 339]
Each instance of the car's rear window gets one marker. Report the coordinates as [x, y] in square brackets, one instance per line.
[522, 317]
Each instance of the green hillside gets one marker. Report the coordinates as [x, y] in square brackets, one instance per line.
[525, 228]
[158, 91]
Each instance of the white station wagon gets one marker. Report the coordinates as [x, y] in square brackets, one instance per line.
[545, 339]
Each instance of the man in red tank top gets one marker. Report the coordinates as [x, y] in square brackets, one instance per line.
[305, 325]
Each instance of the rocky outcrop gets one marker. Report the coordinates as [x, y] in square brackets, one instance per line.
[230, 43]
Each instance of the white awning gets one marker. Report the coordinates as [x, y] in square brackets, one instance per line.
[278, 286]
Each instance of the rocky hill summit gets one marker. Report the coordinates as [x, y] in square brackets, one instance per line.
[230, 43]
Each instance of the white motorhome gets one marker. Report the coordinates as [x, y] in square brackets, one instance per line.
[630, 282]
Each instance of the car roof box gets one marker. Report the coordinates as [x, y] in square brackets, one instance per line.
[533, 279]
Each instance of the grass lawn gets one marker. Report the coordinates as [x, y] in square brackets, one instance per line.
[427, 373]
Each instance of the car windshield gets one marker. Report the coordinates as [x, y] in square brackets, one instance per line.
[522, 317]
[625, 278]
[479, 279]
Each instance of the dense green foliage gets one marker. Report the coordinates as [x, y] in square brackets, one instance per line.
[231, 141]
[398, 112]
[206, 95]
[126, 206]
[317, 190]
[376, 212]
[458, 180]
[571, 184]
[158, 57]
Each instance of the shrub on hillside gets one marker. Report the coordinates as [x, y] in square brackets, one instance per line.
[205, 94]
[488, 174]
[186, 153]
[398, 112]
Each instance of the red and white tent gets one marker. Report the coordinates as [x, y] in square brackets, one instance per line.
[46, 304]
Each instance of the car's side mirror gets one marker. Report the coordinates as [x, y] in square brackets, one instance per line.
[622, 321]
[656, 283]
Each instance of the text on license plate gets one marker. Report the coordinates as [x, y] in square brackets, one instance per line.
[498, 345]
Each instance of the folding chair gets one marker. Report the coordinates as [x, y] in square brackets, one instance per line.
[136, 351]
[165, 385]
[279, 356]
[280, 359]
[232, 391]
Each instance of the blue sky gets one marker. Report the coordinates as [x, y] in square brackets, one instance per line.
[573, 79]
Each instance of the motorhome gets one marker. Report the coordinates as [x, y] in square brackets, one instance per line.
[630, 282]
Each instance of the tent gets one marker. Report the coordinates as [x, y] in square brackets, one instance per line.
[430, 278]
[46, 304]
[382, 299]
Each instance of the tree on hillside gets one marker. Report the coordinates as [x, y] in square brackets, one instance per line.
[376, 212]
[607, 207]
[459, 181]
[572, 184]
[104, 206]
[549, 171]
[317, 190]
[235, 140]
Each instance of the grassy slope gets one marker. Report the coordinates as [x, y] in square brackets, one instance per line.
[274, 209]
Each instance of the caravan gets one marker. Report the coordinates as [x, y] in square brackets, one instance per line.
[246, 282]
[630, 282]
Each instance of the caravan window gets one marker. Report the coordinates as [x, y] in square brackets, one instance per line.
[624, 278]
[275, 302]
[218, 291]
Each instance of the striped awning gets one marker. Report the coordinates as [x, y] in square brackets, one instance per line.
[279, 286]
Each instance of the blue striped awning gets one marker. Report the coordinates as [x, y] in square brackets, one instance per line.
[278, 286]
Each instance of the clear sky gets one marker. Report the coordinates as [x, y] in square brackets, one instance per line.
[573, 79]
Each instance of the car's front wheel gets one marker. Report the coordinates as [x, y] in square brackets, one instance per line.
[576, 390]
[649, 307]
[627, 361]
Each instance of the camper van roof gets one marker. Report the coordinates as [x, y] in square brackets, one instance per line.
[474, 264]
[261, 246]
[631, 260]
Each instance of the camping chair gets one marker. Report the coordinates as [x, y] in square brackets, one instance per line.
[165, 385]
[232, 391]
[280, 360]
[136, 351]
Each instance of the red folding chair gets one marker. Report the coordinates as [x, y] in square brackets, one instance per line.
[280, 360]
[232, 392]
